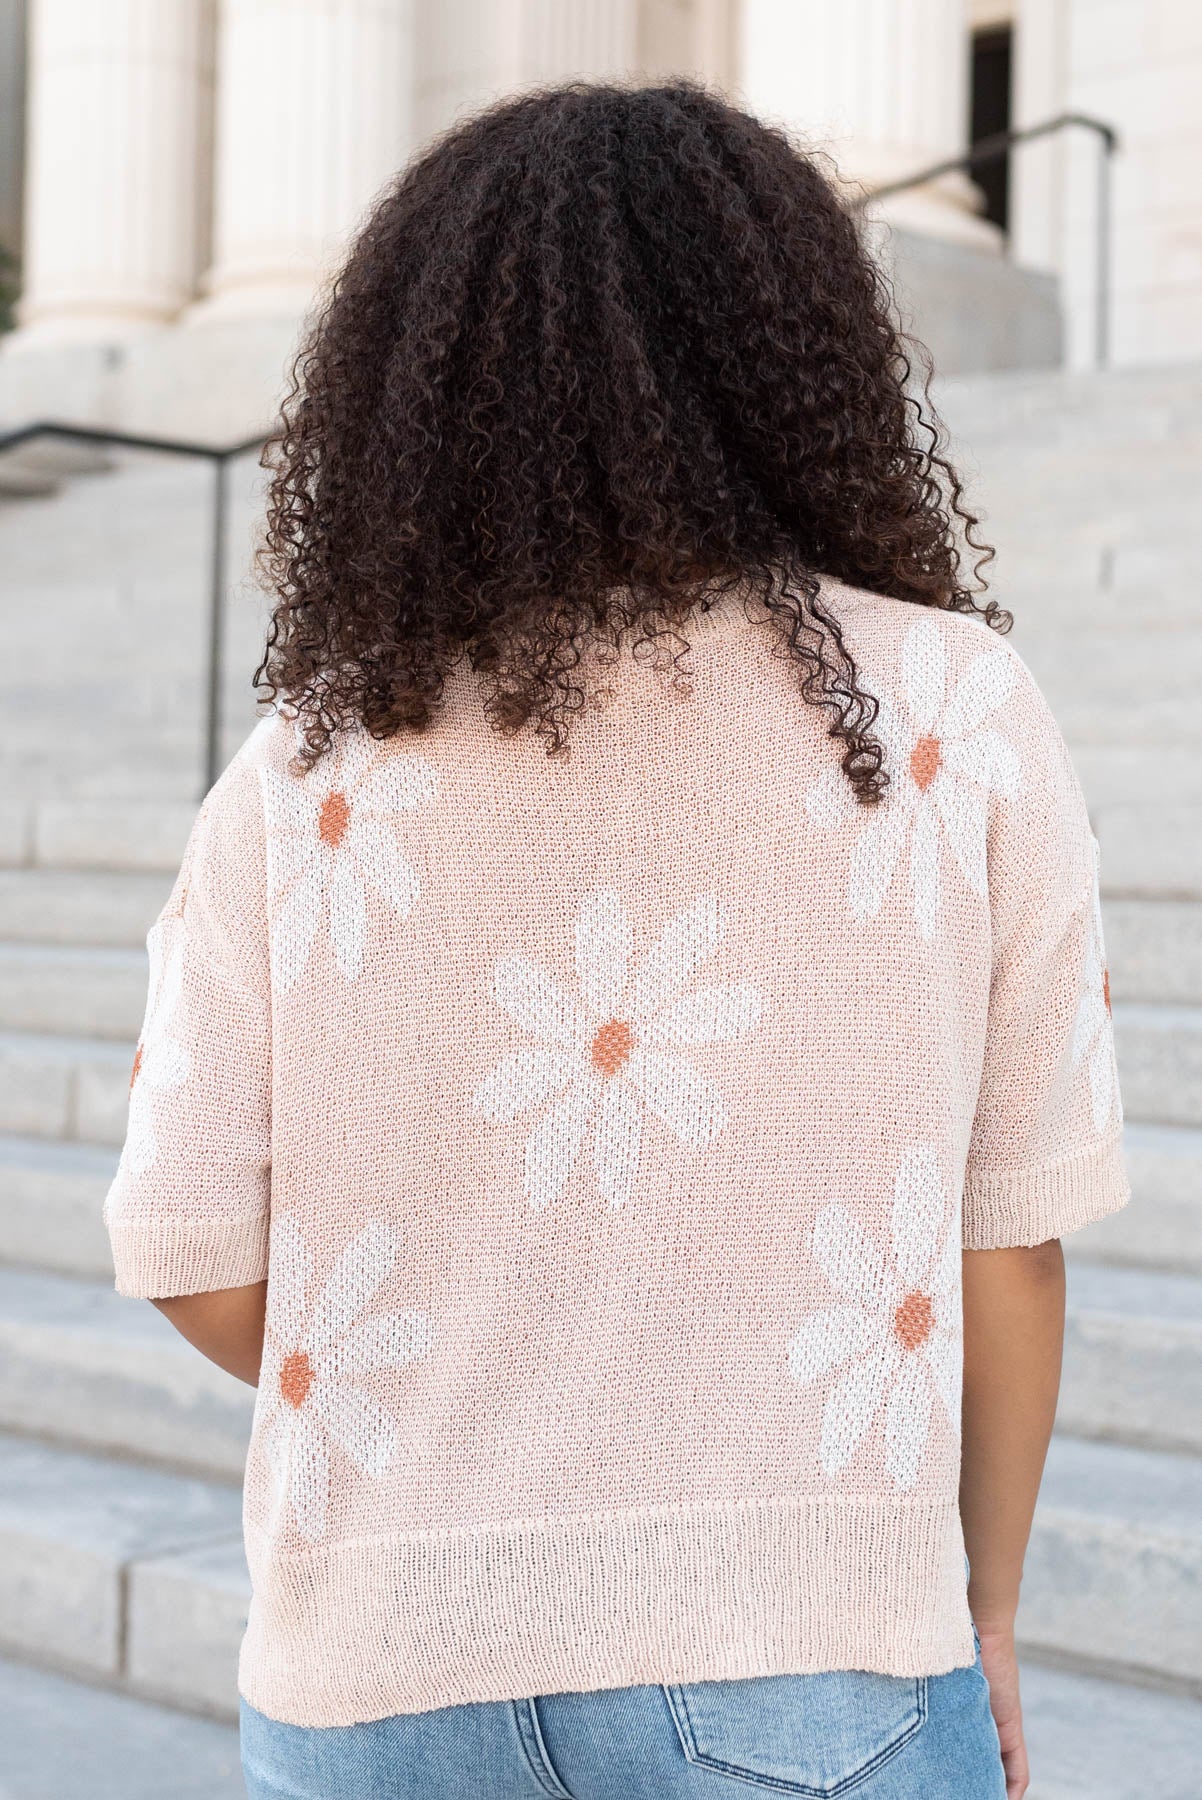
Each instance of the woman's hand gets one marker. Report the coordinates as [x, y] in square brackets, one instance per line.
[1000, 1664]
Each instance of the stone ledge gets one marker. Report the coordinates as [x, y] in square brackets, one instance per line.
[82, 1365]
[70, 1524]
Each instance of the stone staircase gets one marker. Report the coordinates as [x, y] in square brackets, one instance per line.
[122, 1586]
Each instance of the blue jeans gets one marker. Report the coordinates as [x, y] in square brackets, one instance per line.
[876, 1737]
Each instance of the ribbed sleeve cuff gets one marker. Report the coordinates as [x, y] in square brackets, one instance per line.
[1004, 1209]
[161, 1259]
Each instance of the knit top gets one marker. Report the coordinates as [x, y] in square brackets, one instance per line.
[607, 1127]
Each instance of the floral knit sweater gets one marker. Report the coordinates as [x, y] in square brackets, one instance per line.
[608, 1128]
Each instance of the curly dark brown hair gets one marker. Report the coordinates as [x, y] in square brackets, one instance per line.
[601, 353]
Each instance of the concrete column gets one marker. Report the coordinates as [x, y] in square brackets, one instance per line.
[650, 39]
[472, 52]
[116, 108]
[562, 38]
[314, 114]
[714, 40]
[882, 84]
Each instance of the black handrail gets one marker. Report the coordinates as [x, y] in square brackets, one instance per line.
[221, 456]
[999, 144]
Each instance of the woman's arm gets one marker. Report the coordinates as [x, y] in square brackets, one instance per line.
[227, 1326]
[1013, 1338]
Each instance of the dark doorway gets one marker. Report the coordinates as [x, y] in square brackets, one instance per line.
[989, 113]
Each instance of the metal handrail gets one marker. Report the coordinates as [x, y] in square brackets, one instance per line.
[221, 456]
[999, 144]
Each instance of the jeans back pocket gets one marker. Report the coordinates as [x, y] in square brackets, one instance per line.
[819, 1735]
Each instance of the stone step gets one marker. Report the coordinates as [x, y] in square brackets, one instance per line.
[81, 1365]
[1165, 722]
[1080, 456]
[1110, 491]
[1084, 473]
[63, 1739]
[1161, 1228]
[121, 565]
[187, 1611]
[1093, 1739]
[1020, 410]
[73, 906]
[76, 1533]
[137, 833]
[1120, 689]
[1088, 1738]
[1107, 578]
[56, 1086]
[16, 829]
[1113, 1579]
[1133, 1358]
[1082, 505]
[1159, 1052]
[1154, 948]
[1073, 458]
[1121, 568]
[1114, 553]
[51, 1196]
[1097, 601]
[1082, 525]
[1117, 775]
[1152, 849]
[53, 988]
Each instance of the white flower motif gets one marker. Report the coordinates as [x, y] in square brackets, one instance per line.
[611, 1057]
[944, 763]
[331, 836]
[1093, 1033]
[308, 1392]
[161, 1062]
[896, 1332]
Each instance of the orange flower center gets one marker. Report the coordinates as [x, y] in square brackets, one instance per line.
[296, 1378]
[1106, 989]
[137, 1068]
[924, 762]
[914, 1320]
[333, 819]
[612, 1045]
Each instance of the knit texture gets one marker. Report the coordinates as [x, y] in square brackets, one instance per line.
[608, 1128]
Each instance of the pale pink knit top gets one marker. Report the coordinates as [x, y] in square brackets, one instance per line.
[608, 1128]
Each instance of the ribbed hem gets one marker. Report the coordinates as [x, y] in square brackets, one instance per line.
[1029, 1206]
[163, 1259]
[367, 1629]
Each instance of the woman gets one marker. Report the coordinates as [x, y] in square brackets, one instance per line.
[612, 1073]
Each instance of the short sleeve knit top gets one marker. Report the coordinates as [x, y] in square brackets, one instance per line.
[608, 1128]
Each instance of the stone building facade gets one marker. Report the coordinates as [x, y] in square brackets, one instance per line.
[177, 177]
